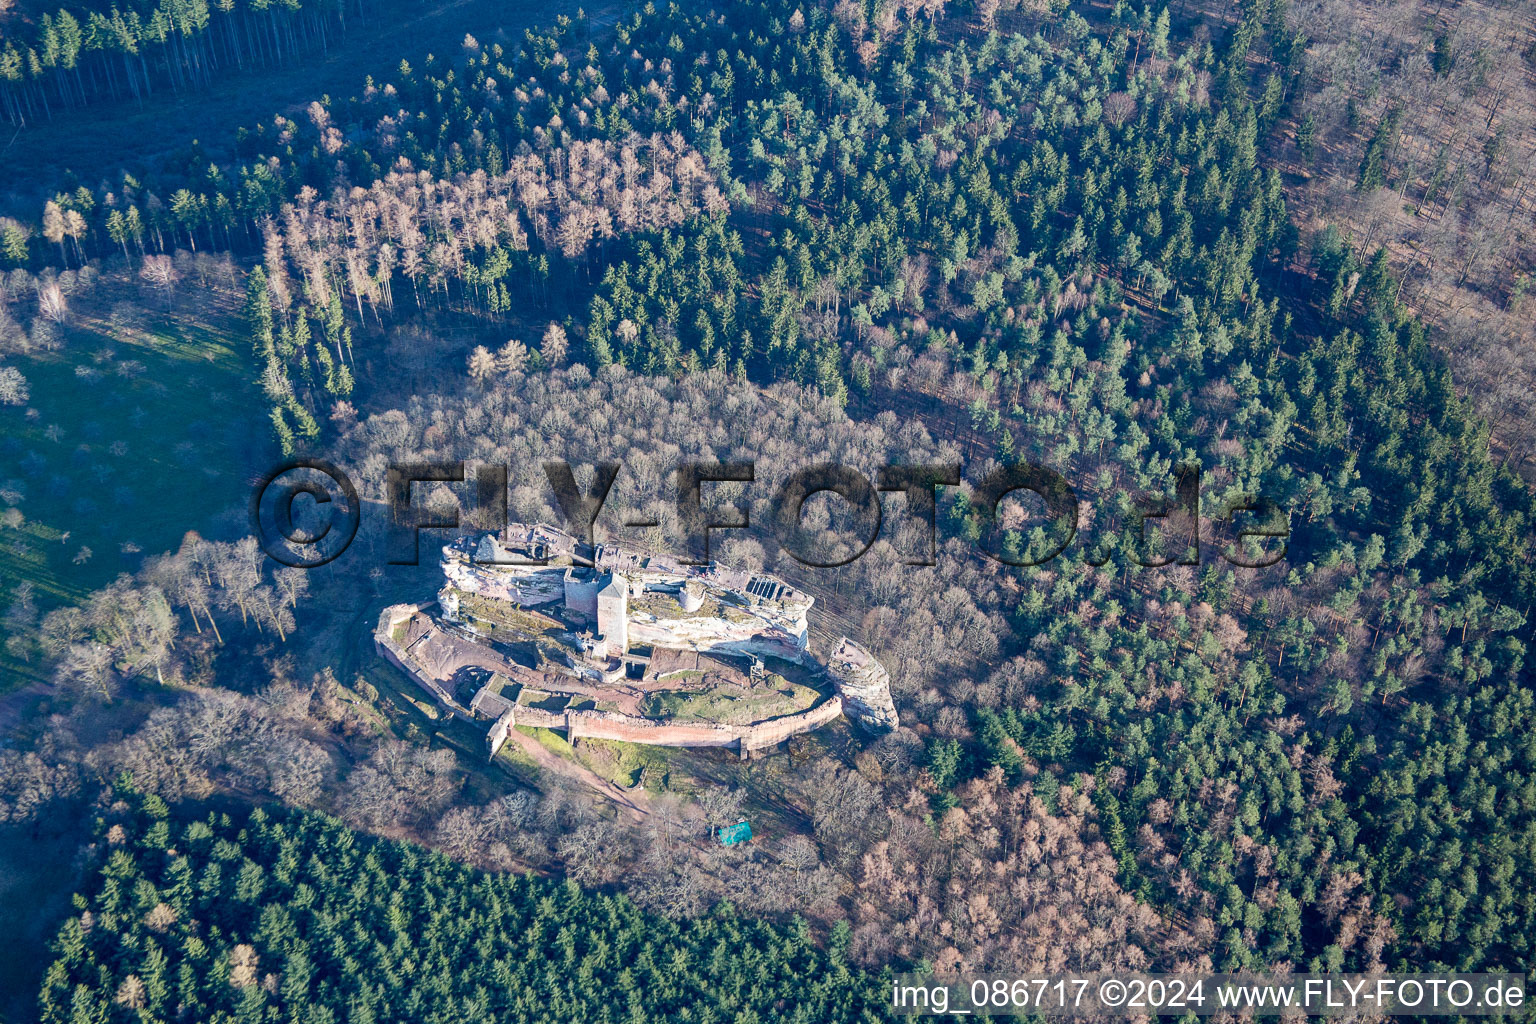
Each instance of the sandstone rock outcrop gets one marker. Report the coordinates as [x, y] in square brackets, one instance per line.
[864, 685]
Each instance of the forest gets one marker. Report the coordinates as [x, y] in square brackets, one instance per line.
[289, 915]
[1107, 240]
[74, 57]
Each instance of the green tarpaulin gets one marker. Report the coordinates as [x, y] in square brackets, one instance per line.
[730, 835]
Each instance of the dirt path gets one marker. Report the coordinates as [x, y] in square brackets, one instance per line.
[634, 801]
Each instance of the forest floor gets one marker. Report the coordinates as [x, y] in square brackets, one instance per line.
[99, 140]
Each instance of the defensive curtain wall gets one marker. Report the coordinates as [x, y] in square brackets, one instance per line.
[401, 628]
[611, 725]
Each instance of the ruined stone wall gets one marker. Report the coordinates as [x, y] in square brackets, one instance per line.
[861, 683]
[538, 718]
[392, 652]
[608, 725]
[499, 730]
[777, 730]
[612, 725]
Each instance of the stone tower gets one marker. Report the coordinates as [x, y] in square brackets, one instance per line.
[613, 615]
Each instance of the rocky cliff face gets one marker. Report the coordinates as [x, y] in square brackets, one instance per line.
[864, 685]
[529, 588]
[744, 634]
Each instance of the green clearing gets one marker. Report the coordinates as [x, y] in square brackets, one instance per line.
[124, 446]
[550, 740]
[776, 697]
[628, 764]
[619, 763]
[624, 764]
[516, 760]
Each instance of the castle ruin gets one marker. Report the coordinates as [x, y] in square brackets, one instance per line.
[535, 628]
